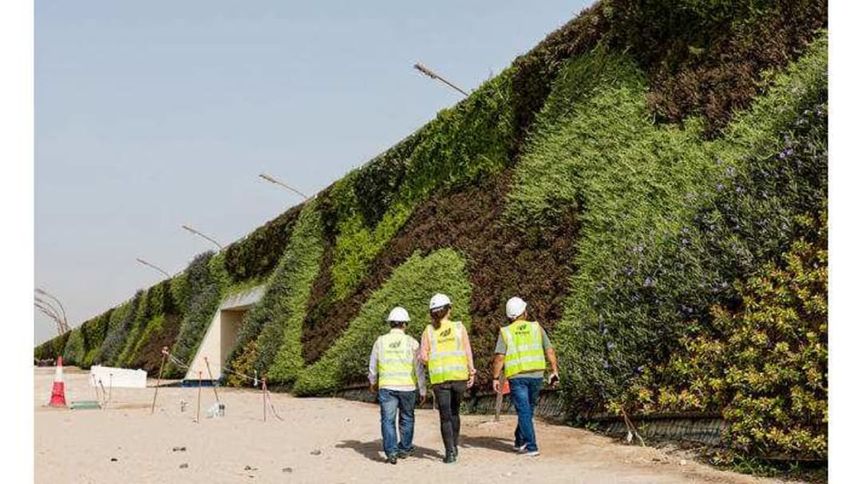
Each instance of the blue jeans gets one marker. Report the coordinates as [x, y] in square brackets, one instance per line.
[525, 396]
[403, 403]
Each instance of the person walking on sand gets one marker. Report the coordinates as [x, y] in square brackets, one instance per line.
[394, 372]
[445, 348]
[523, 348]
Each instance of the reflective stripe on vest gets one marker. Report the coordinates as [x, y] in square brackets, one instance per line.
[447, 360]
[524, 350]
[395, 356]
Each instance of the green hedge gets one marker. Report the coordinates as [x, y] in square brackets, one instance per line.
[411, 286]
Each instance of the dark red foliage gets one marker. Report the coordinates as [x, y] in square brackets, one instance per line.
[535, 71]
[150, 353]
[502, 262]
[257, 254]
[709, 58]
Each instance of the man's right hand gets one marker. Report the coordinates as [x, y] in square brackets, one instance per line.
[496, 385]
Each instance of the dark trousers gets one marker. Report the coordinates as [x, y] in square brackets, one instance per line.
[448, 396]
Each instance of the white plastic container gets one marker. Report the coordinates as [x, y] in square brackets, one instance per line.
[118, 377]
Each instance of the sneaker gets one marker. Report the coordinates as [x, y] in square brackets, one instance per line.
[403, 454]
[449, 459]
[391, 459]
[529, 453]
[519, 448]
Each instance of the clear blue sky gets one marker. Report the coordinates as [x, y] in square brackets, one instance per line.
[158, 113]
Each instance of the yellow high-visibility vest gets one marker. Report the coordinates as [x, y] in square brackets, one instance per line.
[395, 357]
[524, 350]
[447, 360]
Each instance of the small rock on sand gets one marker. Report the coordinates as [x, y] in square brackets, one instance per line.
[180, 449]
[316, 452]
[287, 469]
[184, 466]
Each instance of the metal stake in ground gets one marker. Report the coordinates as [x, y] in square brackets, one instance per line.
[103, 394]
[207, 361]
[159, 380]
[95, 388]
[200, 386]
[263, 393]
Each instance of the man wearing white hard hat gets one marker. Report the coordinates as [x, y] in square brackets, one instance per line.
[524, 349]
[394, 372]
[446, 350]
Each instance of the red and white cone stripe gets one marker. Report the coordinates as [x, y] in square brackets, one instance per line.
[58, 392]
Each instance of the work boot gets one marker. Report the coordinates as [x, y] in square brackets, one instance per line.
[450, 458]
[391, 459]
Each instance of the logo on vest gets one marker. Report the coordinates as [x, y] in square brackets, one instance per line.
[522, 329]
[445, 336]
[395, 344]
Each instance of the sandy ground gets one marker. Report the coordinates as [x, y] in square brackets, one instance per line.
[320, 440]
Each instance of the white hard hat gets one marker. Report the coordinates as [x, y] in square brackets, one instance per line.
[398, 315]
[439, 300]
[515, 307]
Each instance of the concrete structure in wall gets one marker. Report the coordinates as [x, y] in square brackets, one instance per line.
[221, 335]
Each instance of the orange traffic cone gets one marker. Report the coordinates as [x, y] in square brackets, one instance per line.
[58, 393]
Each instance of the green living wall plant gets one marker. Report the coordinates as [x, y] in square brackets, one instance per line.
[280, 347]
[148, 308]
[636, 187]
[119, 323]
[411, 286]
[52, 348]
[473, 139]
[763, 363]
[276, 321]
[94, 332]
[256, 255]
[155, 329]
[203, 287]
[74, 351]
